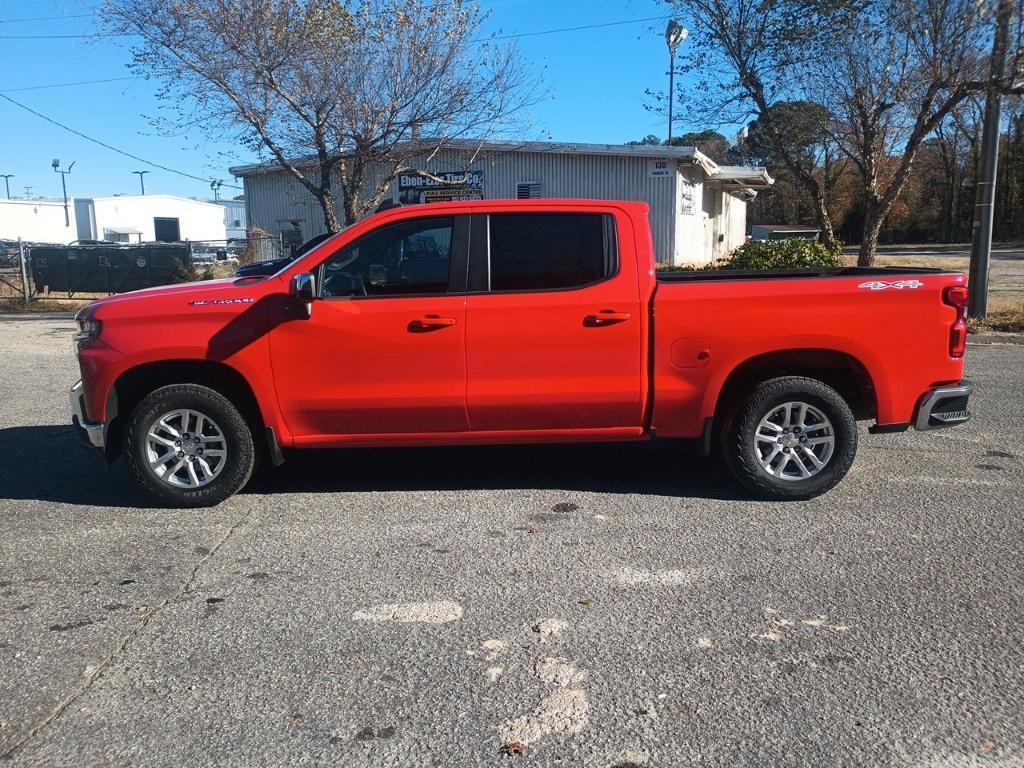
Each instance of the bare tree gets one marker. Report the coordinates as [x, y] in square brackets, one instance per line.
[747, 53]
[342, 94]
[891, 82]
[887, 72]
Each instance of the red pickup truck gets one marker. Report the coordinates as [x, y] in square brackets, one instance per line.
[515, 322]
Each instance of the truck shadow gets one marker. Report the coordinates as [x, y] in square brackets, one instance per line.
[649, 469]
[46, 463]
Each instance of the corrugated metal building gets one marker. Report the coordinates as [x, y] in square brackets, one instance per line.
[698, 208]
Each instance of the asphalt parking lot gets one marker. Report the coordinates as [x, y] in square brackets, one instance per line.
[605, 606]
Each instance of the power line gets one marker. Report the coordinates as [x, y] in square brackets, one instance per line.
[65, 85]
[108, 146]
[60, 37]
[48, 18]
[573, 29]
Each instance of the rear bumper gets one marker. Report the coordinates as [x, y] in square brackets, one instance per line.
[91, 434]
[944, 406]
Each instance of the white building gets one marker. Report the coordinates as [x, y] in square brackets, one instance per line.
[148, 218]
[698, 208]
[234, 218]
[38, 221]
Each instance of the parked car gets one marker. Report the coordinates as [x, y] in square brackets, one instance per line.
[200, 258]
[763, 233]
[271, 266]
[516, 322]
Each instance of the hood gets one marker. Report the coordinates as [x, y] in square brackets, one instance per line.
[223, 291]
[202, 301]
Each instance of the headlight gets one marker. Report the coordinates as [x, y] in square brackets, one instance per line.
[88, 328]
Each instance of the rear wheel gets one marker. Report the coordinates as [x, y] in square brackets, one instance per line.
[188, 446]
[790, 438]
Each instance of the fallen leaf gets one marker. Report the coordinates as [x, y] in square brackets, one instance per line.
[586, 601]
[514, 748]
[534, 530]
[142, 608]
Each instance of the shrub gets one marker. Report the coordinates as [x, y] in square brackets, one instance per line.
[794, 253]
[183, 272]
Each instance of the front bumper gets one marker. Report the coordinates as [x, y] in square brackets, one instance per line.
[944, 406]
[91, 434]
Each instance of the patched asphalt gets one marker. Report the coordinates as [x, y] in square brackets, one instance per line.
[603, 606]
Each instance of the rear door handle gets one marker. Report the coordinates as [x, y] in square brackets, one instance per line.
[431, 323]
[606, 317]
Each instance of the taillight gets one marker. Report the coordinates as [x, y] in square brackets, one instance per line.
[956, 297]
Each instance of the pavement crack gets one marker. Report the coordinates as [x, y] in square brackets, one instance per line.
[183, 589]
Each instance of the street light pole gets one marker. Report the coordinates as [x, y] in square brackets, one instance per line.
[985, 194]
[7, 183]
[64, 186]
[142, 179]
[675, 34]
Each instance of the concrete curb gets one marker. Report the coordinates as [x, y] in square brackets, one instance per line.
[995, 338]
[37, 316]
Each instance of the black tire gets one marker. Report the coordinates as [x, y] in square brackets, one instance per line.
[240, 457]
[738, 433]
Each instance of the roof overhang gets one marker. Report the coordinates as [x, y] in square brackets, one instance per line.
[742, 180]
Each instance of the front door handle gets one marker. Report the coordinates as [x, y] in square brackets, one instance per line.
[430, 323]
[605, 317]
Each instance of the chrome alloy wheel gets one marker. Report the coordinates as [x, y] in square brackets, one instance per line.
[186, 448]
[794, 441]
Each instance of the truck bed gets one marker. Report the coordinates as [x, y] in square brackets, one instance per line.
[892, 321]
[691, 276]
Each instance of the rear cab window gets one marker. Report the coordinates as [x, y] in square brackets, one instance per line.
[550, 251]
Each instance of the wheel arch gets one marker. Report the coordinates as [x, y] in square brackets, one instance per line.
[135, 383]
[839, 370]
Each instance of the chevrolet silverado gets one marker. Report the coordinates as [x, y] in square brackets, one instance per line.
[520, 321]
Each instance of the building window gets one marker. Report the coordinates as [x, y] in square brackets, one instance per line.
[527, 190]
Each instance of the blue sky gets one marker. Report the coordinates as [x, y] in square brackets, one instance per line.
[595, 80]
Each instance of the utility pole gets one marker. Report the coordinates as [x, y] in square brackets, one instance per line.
[64, 186]
[142, 179]
[28, 192]
[985, 196]
[215, 185]
[675, 34]
[7, 182]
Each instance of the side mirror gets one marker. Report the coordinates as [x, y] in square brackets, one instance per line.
[303, 291]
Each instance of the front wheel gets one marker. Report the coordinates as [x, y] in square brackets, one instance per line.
[791, 438]
[188, 446]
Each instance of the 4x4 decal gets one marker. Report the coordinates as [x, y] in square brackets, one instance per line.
[881, 285]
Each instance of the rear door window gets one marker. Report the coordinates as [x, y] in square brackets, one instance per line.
[550, 251]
